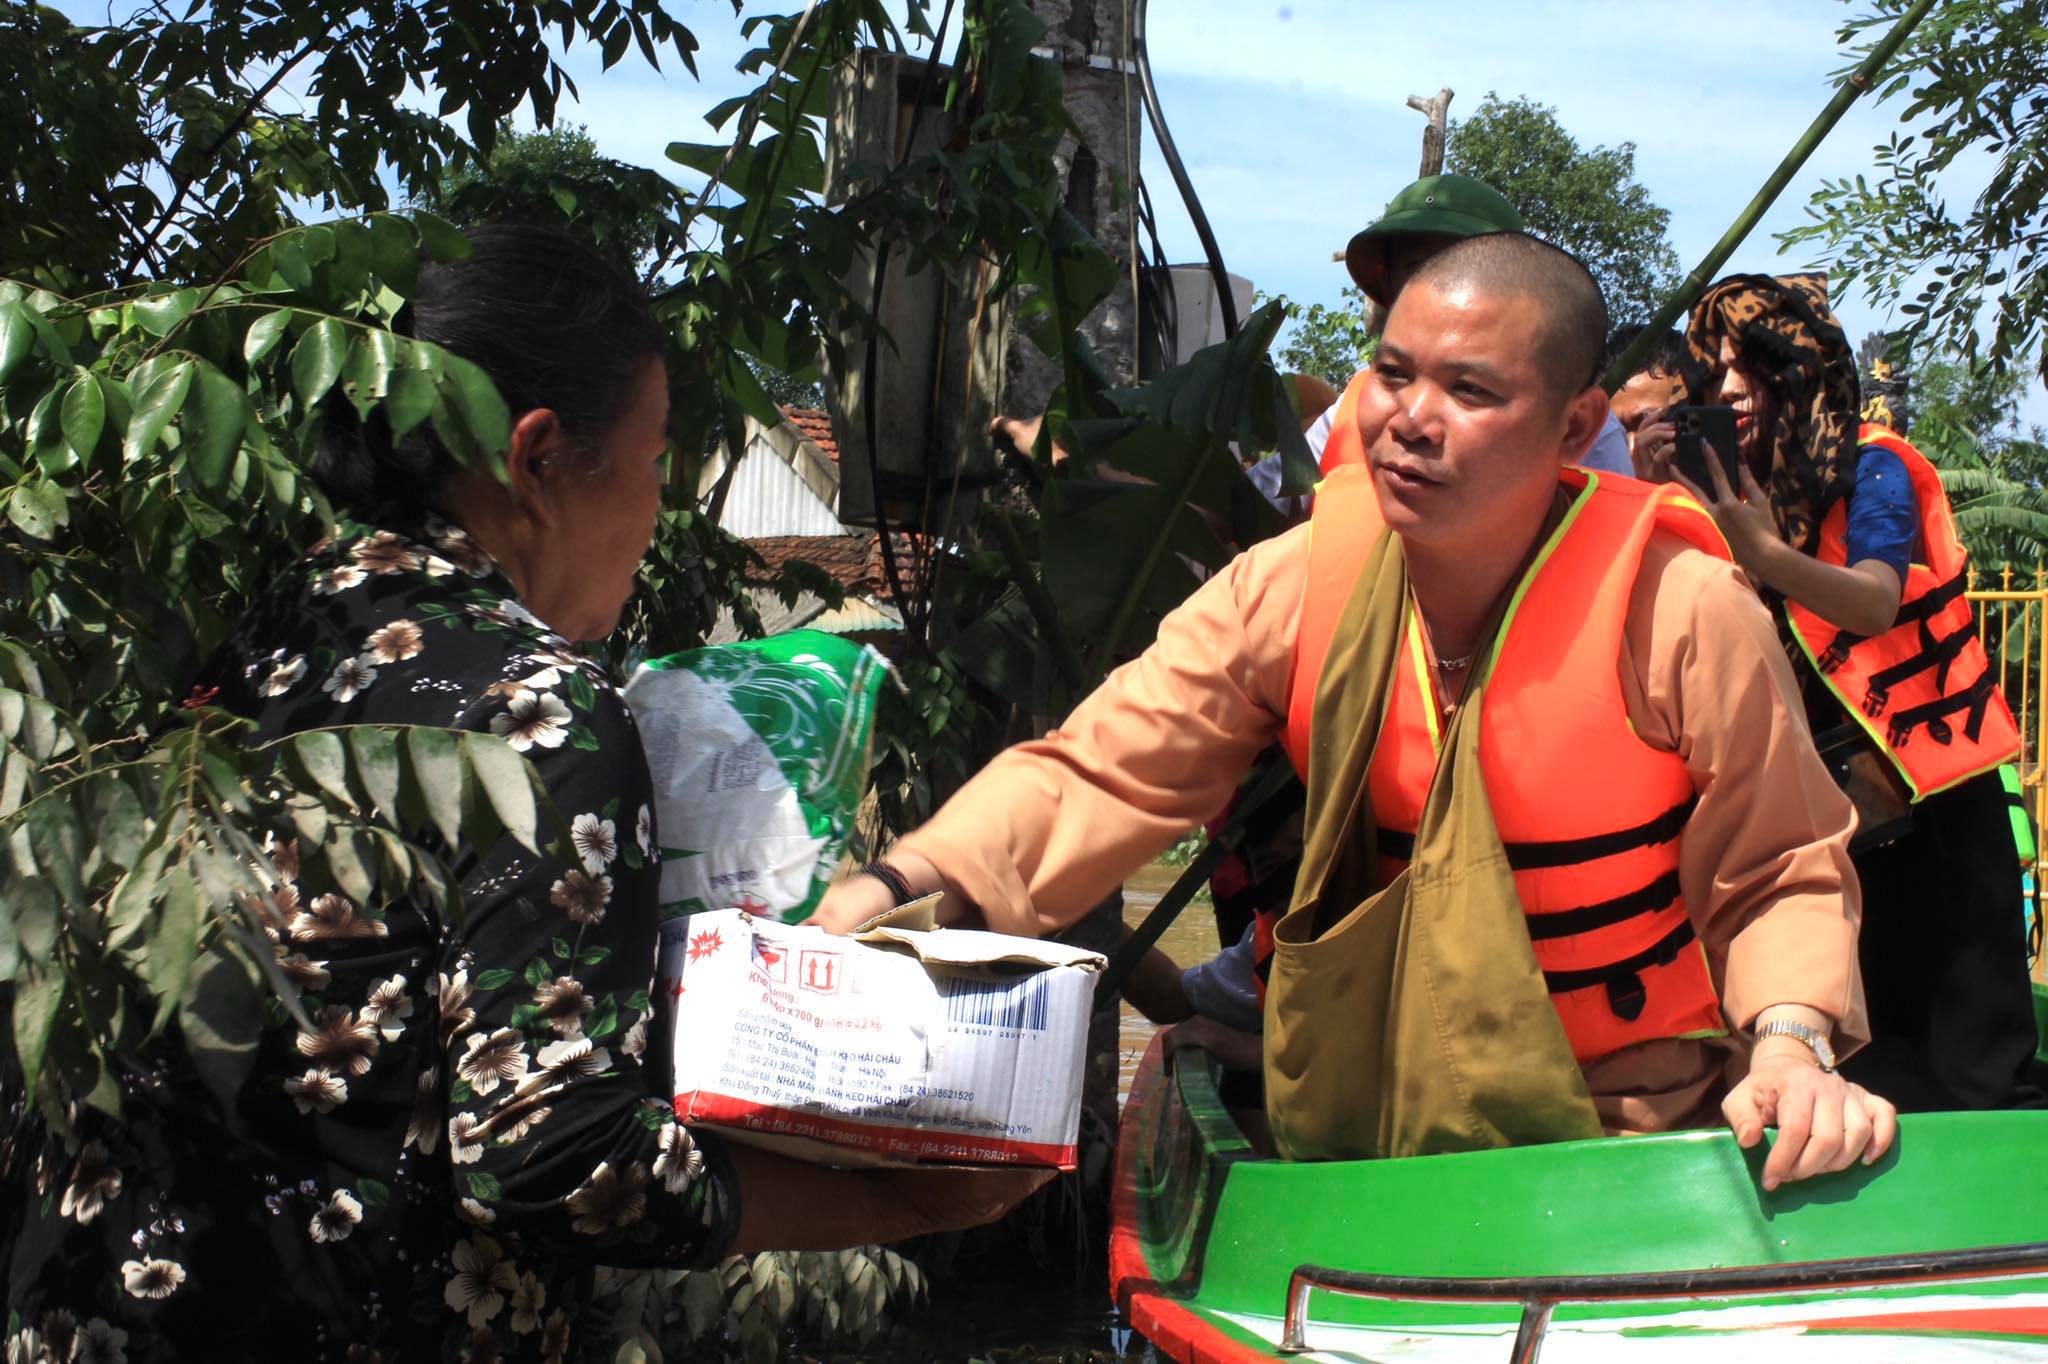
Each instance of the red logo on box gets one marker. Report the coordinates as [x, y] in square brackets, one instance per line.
[819, 971]
[705, 944]
[773, 961]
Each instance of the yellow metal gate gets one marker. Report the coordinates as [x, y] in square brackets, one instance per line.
[2010, 620]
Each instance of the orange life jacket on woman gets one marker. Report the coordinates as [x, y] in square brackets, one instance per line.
[1924, 689]
[1590, 814]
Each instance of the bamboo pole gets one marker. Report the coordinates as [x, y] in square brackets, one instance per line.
[1858, 81]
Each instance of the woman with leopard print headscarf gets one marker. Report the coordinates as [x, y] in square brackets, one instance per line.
[1836, 526]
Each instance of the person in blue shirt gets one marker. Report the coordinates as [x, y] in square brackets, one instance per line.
[1942, 952]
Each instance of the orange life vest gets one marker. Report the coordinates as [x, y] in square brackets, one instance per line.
[1590, 815]
[1345, 446]
[1924, 689]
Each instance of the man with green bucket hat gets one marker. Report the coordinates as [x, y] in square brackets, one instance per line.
[1420, 221]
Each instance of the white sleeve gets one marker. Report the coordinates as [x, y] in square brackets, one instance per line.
[1319, 435]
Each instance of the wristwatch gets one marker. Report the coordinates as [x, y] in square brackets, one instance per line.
[1812, 1037]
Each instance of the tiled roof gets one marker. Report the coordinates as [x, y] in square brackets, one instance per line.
[843, 557]
[815, 427]
[852, 561]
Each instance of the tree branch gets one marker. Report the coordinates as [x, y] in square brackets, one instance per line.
[235, 125]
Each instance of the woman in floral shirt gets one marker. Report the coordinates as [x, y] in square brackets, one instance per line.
[433, 1168]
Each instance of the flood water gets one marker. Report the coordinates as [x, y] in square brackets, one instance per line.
[1190, 938]
[1052, 1306]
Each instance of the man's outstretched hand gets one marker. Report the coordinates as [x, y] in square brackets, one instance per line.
[1824, 1122]
[1021, 434]
[853, 900]
[850, 902]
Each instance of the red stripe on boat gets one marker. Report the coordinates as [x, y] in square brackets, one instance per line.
[1152, 1312]
[1982, 1321]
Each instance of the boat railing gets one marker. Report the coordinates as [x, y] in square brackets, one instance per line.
[1541, 1295]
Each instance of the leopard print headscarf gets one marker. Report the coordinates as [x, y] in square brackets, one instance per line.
[1789, 342]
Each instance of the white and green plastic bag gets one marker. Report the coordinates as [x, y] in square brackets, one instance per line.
[759, 752]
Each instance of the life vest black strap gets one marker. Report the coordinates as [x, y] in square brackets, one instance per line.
[1564, 852]
[1564, 923]
[1626, 994]
[1915, 612]
[1937, 653]
[1975, 698]
[1933, 600]
[1837, 653]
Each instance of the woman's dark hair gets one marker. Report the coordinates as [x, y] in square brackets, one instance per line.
[554, 324]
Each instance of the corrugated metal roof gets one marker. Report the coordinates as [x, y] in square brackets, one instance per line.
[858, 616]
[768, 497]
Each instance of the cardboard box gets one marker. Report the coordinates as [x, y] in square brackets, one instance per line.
[900, 1045]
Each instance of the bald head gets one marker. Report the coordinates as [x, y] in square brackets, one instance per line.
[1573, 328]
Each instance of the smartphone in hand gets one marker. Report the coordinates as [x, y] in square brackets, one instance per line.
[1701, 428]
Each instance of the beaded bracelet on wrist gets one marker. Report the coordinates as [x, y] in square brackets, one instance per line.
[899, 889]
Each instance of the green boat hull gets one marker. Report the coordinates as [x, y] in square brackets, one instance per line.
[1207, 1236]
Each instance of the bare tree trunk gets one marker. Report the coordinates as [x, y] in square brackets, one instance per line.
[1437, 110]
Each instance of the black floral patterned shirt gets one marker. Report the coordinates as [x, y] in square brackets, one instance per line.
[433, 1171]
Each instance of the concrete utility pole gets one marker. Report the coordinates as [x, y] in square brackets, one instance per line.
[955, 358]
[1437, 110]
[1099, 167]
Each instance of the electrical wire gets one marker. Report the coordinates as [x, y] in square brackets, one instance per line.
[1225, 300]
[1159, 300]
[1129, 121]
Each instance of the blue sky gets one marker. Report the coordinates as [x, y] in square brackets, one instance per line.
[1292, 116]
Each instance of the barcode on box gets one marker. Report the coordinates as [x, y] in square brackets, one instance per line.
[1016, 1004]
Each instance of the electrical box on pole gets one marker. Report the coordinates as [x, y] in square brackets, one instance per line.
[950, 359]
[930, 386]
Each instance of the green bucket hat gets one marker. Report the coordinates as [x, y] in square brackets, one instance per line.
[1440, 206]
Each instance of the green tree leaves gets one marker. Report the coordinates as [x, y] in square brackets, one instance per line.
[440, 238]
[841, 1297]
[1975, 80]
[212, 420]
[159, 145]
[161, 314]
[316, 359]
[161, 401]
[168, 433]
[1332, 343]
[17, 334]
[1586, 201]
[84, 414]
[557, 177]
[170, 429]
[166, 901]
